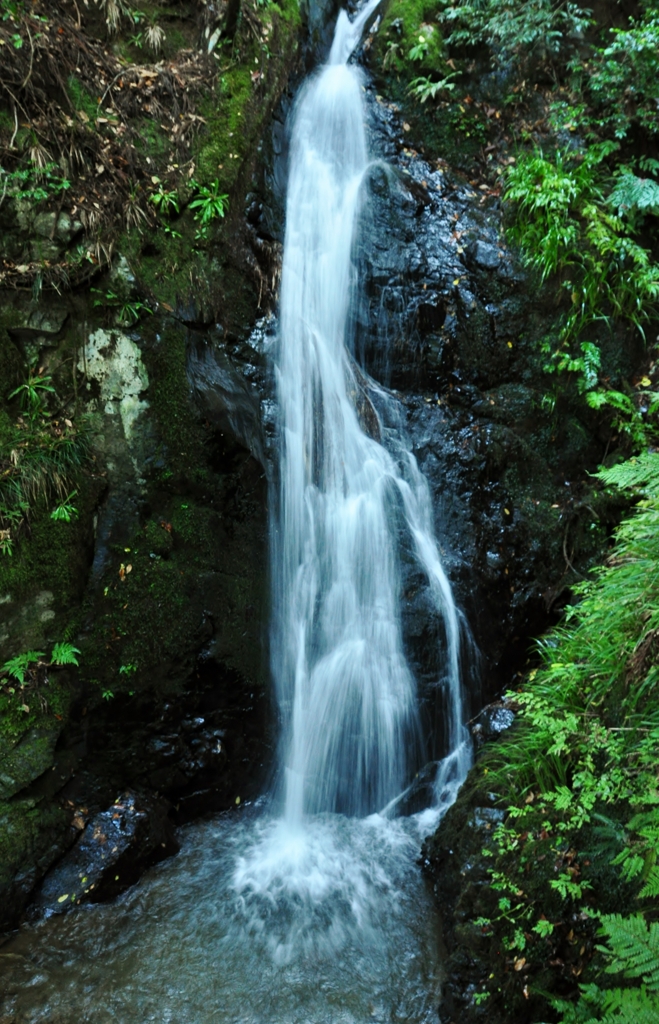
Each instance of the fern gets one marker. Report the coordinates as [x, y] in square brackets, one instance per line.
[635, 194]
[633, 948]
[640, 472]
[65, 654]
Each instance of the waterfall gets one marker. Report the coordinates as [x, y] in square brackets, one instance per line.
[320, 913]
[348, 701]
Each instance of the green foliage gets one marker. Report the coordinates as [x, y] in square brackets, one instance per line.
[420, 49]
[564, 222]
[523, 31]
[584, 747]
[17, 667]
[635, 195]
[65, 511]
[631, 950]
[32, 393]
[39, 457]
[29, 669]
[623, 77]
[165, 200]
[33, 184]
[209, 205]
[411, 38]
[424, 88]
[64, 653]
[126, 311]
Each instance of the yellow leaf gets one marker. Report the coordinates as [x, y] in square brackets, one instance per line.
[509, 344]
[457, 281]
[645, 382]
[62, 898]
[237, 800]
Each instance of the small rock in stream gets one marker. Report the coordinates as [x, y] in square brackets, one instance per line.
[116, 847]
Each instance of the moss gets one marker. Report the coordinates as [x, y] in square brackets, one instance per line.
[81, 99]
[411, 26]
[54, 555]
[169, 395]
[11, 363]
[26, 834]
[47, 707]
[150, 614]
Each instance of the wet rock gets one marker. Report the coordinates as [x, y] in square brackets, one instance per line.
[492, 721]
[223, 395]
[485, 255]
[112, 852]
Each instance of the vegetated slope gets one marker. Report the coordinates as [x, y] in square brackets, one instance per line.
[547, 862]
[132, 522]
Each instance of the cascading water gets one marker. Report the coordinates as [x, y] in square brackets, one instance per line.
[348, 699]
[319, 915]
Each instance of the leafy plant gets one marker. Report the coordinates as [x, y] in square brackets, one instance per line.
[65, 512]
[564, 222]
[39, 457]
[424, 88]
[33, 184]
[623, 78]
[17, 667]
[127, 311]
[419, 50]
[209, 204]
[516, 31]
[165, 200]
[32, 394]
[632, 951]
[585, 742]
[64, 653]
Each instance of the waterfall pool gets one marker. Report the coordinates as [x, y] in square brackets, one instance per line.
[251, 923]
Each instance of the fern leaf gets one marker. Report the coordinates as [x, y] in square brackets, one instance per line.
[630, 1006]
[642, 471]
[651, 887]
[632, 193]
[633, 947]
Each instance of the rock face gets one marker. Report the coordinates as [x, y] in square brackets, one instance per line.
[449, 321]
[158, 574]
[112, 852]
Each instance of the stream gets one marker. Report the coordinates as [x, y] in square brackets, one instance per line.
[309, 906]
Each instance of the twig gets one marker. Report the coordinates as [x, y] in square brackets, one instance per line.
[29, 73]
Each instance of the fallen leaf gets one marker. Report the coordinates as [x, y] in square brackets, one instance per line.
[61, 899]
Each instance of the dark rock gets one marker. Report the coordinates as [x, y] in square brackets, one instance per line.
[492, 721]
[114, 849]
[486, 255]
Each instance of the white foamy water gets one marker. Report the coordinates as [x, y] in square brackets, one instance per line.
[351, 735]
[356, 945]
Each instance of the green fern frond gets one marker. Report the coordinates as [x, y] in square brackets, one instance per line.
[633, 946]
[632, 193]
[651, 887]
[640, 472]
[629, 1006]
